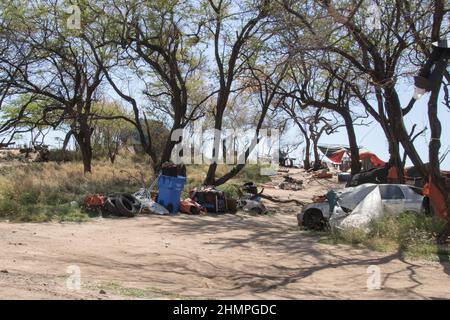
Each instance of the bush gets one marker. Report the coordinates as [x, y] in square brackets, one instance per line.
[58, 155]
[44, 191]
[412, 234]
[251, 172]
[230, 190]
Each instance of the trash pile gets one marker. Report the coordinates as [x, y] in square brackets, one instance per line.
[168, 201]
[250, 200]
[121, 205]
[189, 206]
[290, 183]
[148, 203]
[323, 174]
[210, 198]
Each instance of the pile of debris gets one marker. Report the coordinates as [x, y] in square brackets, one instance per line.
[202, 200]
[323, 174]
[250, 200]
[290, 183]
[120, 205]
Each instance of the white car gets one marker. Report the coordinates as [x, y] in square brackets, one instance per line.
[395, 199]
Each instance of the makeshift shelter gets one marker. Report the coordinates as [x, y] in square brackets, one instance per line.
[356, 209]
[337, 154]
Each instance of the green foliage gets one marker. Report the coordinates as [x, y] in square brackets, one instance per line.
[50, 191]
[110, 134]
[414, 235]
[252, 172]
[230, 190]
[29, 111]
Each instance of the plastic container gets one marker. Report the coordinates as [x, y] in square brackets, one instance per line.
[170, 191]
[169, 171]
[344, 177]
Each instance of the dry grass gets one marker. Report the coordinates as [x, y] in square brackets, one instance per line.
[38, 192]
[44, 191]
[413, 235]
[197, 173]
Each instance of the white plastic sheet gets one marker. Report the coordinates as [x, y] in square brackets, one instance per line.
[366, 210]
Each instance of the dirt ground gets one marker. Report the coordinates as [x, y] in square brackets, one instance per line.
[203, 257]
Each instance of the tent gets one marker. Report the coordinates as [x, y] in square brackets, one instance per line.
[366, 155]
[365, 204]
[336, 155]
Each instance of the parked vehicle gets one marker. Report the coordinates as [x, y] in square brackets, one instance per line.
[376, 175]
[393, 198]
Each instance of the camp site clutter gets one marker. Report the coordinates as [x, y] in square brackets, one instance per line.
[168, 199]
[361, 197]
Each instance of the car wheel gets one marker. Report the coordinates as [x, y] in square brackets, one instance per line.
[313, 219]
[125, 207]
[110, 206]
[136, 203]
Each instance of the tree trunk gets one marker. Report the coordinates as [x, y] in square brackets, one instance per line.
[354, 150]
[112, 157]
[434, 147]
[211, 174]
[316, 155]
[84, 142]
[167, 153]
[307, 160]
[395, 158]
[396, 130]
[401, 135]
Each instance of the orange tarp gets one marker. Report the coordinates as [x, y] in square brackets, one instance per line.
[377, 162]
[437, 199]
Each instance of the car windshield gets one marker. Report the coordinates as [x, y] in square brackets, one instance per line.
[391, 192]
[350, 199]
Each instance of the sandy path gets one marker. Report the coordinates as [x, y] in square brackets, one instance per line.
[227, 256]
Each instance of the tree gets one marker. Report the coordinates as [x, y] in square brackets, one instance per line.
[110, 136]
[157, 43]
[312, 83]
[375, 55]
[228, 55]
[430, 58]
[26, 115]
[56, 66]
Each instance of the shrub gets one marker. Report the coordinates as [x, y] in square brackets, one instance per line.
[251, 172]
[412, 234]
[58, 155]
[44, 191]
[230, 190]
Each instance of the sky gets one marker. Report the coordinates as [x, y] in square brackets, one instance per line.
[369, 137]
[372, 137]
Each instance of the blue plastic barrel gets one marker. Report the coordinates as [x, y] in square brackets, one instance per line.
[170, 191]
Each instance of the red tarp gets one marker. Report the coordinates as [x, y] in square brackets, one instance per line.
[338, 155]
[377, 162]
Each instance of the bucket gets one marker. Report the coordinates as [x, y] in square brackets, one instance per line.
[170, 189]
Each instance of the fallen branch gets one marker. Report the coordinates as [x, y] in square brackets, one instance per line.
[270, 198]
